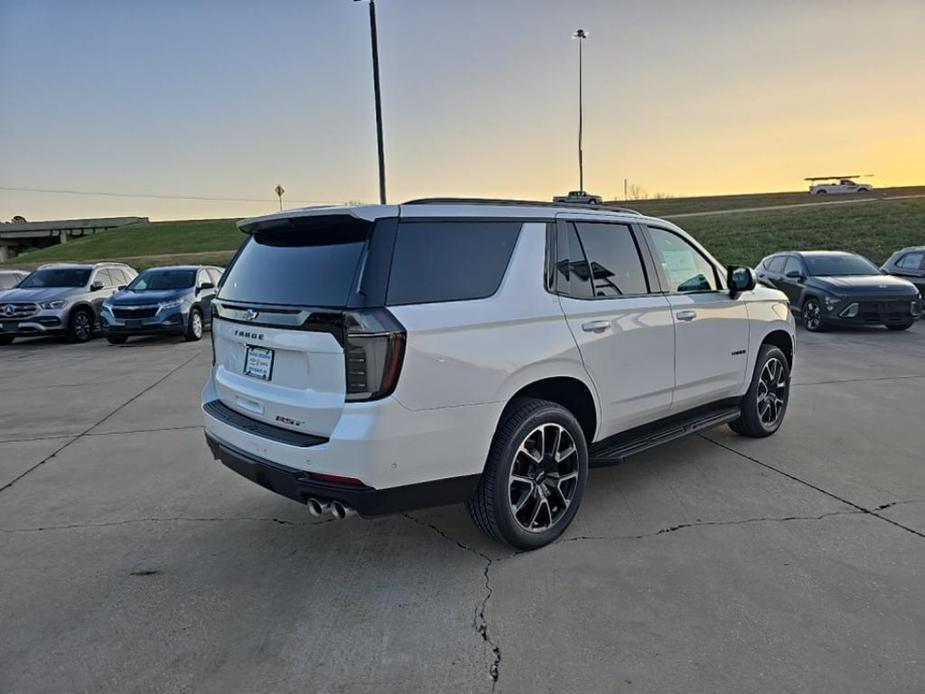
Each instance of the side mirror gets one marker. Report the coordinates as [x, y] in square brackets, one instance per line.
[206, 285]
[740, 279]
[121, 287]
[795, 275]
[96, 286]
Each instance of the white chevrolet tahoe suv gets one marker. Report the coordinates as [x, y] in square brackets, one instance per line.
[379, 359]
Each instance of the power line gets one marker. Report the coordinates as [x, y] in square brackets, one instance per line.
[159, 196]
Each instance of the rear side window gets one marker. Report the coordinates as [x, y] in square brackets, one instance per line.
[449, 261]
[573, 272]
[793, 265]
[309, 264]
[616, 268]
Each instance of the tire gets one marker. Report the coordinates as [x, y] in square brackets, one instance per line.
[117, 339]
[549, 492]
[194, 326]
[900, 326]
[7, 339]
[80, 325]
[762, 416]
[811, 315]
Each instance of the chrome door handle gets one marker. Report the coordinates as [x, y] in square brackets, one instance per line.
[686, 315]
[596, 326]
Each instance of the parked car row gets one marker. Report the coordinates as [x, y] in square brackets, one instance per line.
[80, 301]
[829, 288]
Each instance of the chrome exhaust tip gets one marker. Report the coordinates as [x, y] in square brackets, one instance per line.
[341, 511]
[316, 507]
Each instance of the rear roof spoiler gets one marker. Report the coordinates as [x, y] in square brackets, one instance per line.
[329, 214]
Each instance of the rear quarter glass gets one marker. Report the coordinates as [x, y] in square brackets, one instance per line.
[437, 261]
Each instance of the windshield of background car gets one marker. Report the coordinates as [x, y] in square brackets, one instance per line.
[839, 265]
[56, 277]
[161, 280]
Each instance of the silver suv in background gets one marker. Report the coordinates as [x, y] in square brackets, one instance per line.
[60, 299]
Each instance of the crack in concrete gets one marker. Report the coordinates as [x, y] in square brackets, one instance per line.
[479, 621]
[891, 504]
[700, 524]
[833, 495]
[86, 431]
[172, 519]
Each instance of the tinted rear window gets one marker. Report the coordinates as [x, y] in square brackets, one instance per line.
[449, 261]
[314, 265]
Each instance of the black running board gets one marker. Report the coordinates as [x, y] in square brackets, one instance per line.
[615, 449]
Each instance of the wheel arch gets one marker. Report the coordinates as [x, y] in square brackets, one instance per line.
[570, 392]
[783, 340]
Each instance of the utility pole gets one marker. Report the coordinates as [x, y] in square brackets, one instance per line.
[581, 35]
[374, 40]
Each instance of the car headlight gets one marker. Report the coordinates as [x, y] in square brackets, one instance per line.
[167, 305]
[51, 305]
[107, 306]
[831, 302]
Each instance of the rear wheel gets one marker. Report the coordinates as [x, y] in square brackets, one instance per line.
[80, 326]
[812, 315]
[194, 326]
[7, 339]
[534, 477]
[765, 403]
[900, 326]
[117, 339]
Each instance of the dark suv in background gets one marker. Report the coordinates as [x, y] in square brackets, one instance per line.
[60, 299]
[909, 263]
[162, 301]
[832, 287]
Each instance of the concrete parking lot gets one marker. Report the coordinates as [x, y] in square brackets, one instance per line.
[130, 561]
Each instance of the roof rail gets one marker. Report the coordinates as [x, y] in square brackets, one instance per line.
[506, 201]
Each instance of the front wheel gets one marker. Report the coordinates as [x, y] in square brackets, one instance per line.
[7, 339]
[80, 326]
[812, 315]
[765, 403]
[534, 477]
[194, 326]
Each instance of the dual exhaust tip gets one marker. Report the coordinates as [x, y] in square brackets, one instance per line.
[339, 510]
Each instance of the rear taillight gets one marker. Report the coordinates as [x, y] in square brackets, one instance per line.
[374, 348]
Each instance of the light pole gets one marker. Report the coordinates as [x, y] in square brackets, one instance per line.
[581, 35]
[374, 40]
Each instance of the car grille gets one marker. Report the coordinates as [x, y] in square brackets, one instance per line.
[135, 312]
[874, 311]
[17, 310]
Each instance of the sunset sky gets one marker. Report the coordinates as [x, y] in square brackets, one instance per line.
[227, 98]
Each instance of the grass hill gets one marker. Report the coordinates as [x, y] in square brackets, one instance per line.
[873, 225]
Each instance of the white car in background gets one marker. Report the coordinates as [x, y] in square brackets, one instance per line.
[837, 186]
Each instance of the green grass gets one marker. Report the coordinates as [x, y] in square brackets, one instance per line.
[874, 230]
[714, 203]
[165, 239]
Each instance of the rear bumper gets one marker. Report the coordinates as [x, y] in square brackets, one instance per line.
[298, 485]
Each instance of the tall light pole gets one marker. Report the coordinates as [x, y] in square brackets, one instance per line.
[581, 35]
[374, 40]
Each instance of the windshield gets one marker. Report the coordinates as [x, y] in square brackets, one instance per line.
[56, 277]
[160, 280]
[839, 265]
